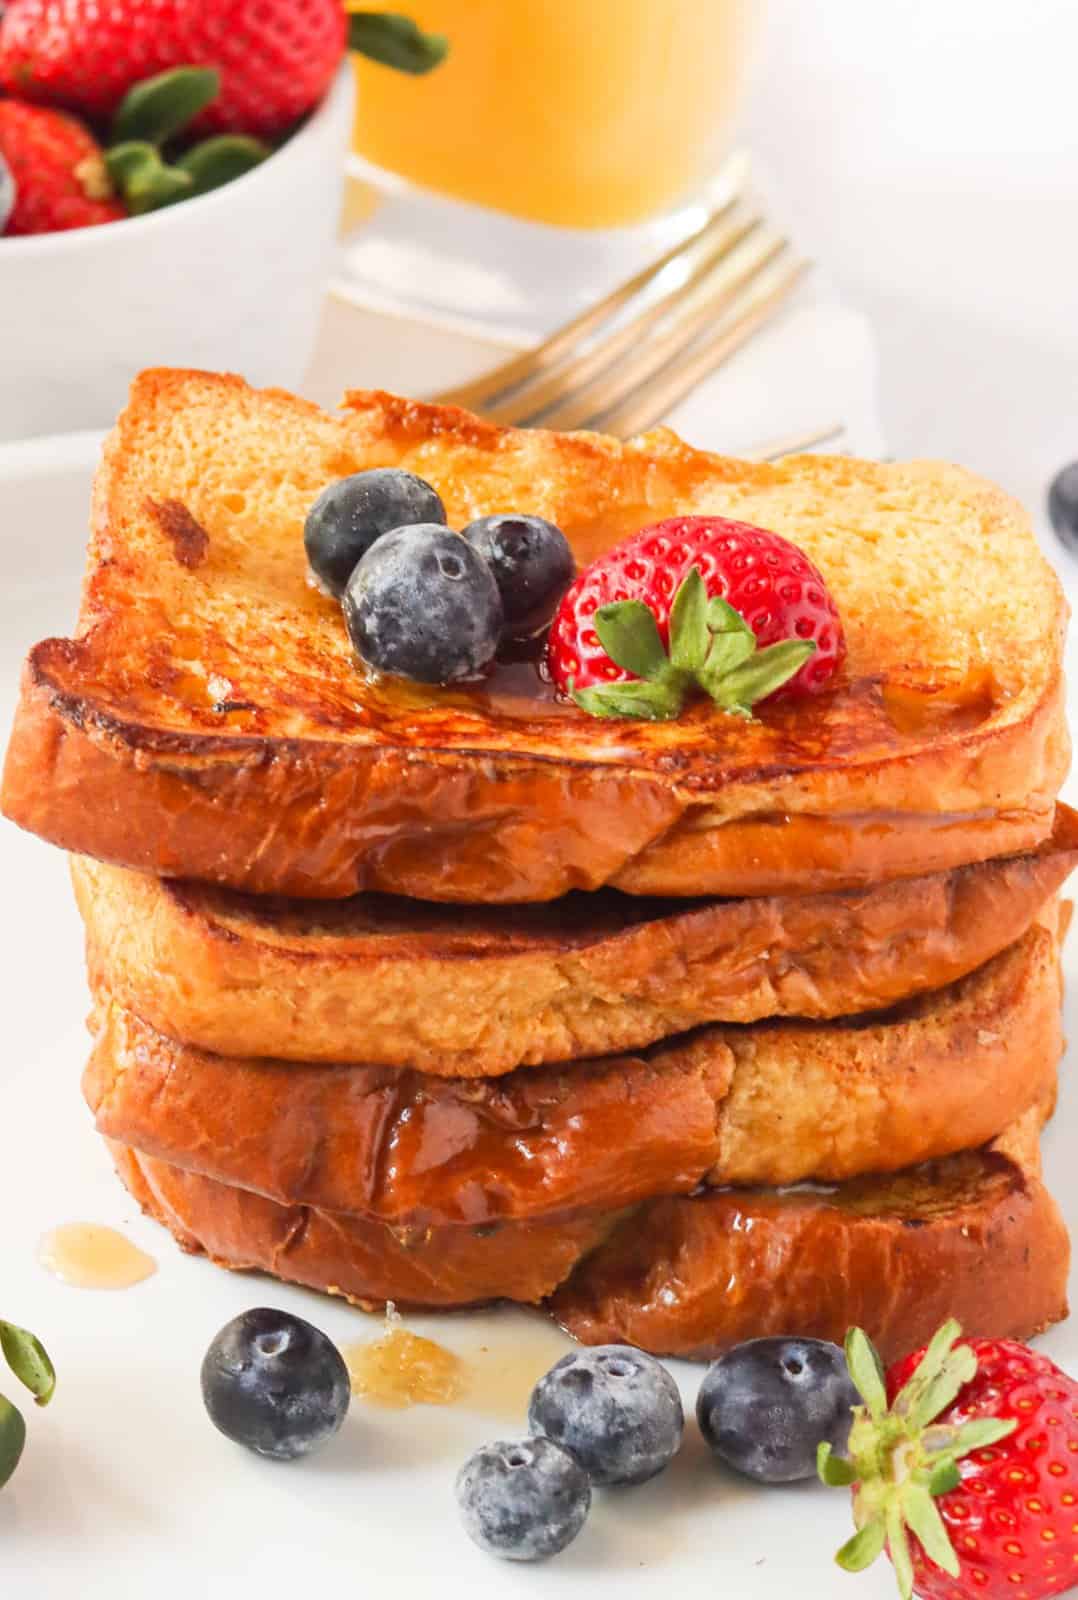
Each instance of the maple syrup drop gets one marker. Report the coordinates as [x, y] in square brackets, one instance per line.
[87, 1255]
[402, 1369]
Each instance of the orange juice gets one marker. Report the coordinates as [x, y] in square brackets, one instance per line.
[589, 113]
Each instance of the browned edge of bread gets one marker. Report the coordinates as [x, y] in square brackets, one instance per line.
[922, 763]
[774, 1102]
[976, 1237]
[360, 1258]
[473, 830]
[478, 991]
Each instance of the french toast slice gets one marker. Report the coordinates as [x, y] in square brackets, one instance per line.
[975, 1237]
[359, 1257]
[771, 1102]
[476, 991]
[209, 720]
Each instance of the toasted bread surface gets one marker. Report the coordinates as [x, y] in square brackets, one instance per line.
[359, 1257]
[768, 1103]
[210, 721]
[688, 1276]
[977, 1237]
[476, 991]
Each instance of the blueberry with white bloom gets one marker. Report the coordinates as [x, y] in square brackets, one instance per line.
[523, 1500]
[616, 1409]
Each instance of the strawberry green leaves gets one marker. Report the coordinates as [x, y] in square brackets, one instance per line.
[12, 1439]
[902, 1458]
[396, 41]
[162, 106]
[147, 182]
[157, 111]
[712, 648]
[629, 634]
[861, 1551]
[215, 162]
[143, 179]
[29, 1361]
[866, 1370]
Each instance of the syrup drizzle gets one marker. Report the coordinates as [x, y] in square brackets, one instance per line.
[401, 1369]
[87, 1255]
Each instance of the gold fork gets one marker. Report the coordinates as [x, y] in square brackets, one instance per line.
[624, 363]
[795, 444]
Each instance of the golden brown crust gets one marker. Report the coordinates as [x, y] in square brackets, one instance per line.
[394, 1145]
[770, 1103]
[977, 1237]
[219, 729]
[326, 821]
[806, 854]
[357, 1257]
[475, 991]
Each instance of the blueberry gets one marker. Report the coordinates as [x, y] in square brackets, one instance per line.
[523, 1500]
[765, 1406]
[532, 566]
[7, 194]
[1063, 505]
[423, 604]
[351, 514]
[272, 1382]
[616, 1409]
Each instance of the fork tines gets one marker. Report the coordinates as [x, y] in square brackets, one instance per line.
[624, 363]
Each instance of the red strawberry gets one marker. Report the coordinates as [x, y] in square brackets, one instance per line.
[972, 1449]
[276, 57]
[756, 617]
[59, 171]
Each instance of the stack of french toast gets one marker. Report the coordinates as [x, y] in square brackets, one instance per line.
[688, 1031]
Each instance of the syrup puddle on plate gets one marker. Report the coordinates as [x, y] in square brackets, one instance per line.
[505, 1371]
[401, 1369]
[87, 1255]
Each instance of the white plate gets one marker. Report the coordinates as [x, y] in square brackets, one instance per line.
[125, 1490]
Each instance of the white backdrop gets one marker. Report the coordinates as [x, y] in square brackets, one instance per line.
[929, 149]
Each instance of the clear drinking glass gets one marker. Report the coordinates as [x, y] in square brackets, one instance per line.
[560, 142]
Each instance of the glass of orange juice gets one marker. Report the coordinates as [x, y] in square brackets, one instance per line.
[604, 121]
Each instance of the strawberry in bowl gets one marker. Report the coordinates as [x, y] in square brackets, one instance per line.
[182, 97]
[214, 133]
[277, 58]
[695, 603]
[56, 171]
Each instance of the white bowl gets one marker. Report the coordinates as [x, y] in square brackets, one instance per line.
[232, 281]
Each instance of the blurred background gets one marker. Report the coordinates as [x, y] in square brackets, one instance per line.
[923, 157]
[929, 156]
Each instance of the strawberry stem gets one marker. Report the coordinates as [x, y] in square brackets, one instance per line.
[712, 648]
[160, 107]
[901, 1459]
[396, 41]
[861, 1551]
